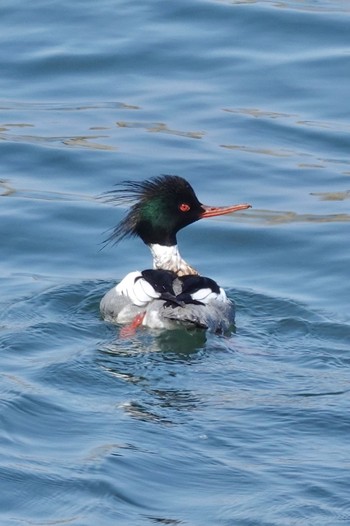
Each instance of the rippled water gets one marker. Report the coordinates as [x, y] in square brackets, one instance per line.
[247, 100]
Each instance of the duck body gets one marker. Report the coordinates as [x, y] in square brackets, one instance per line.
[172, 293]
[166, 300]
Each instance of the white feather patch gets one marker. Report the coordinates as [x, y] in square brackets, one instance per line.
[207, 295]
[222, 296]
[143, 292]
[137, 289]
[202, 294]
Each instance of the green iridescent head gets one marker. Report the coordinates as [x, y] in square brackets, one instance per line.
[161, 207]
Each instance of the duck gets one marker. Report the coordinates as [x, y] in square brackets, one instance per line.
[172, 292]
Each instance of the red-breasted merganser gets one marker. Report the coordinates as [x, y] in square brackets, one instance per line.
[172, 292]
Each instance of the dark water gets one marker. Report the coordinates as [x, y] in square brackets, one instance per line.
[249, 101]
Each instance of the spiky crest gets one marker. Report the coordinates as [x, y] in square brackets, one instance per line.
[154, 214]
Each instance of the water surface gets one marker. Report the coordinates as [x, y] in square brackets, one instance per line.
[247, 100]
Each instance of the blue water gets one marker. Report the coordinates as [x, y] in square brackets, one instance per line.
[249, 101]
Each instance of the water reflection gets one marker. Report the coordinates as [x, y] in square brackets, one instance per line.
[162, 520]
[149, 364]
[161, 405]
[298, 5]
[79, 141]
[258, 113]
[174, 345]
[31, 115]
[5, 188]
[274, 217]
[160, 127]
[66, 106]
[261, 151]
[8, 188]
[332, 196]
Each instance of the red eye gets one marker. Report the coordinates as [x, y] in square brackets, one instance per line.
[184, 207]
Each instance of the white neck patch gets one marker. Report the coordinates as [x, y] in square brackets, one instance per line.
[168, 258]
